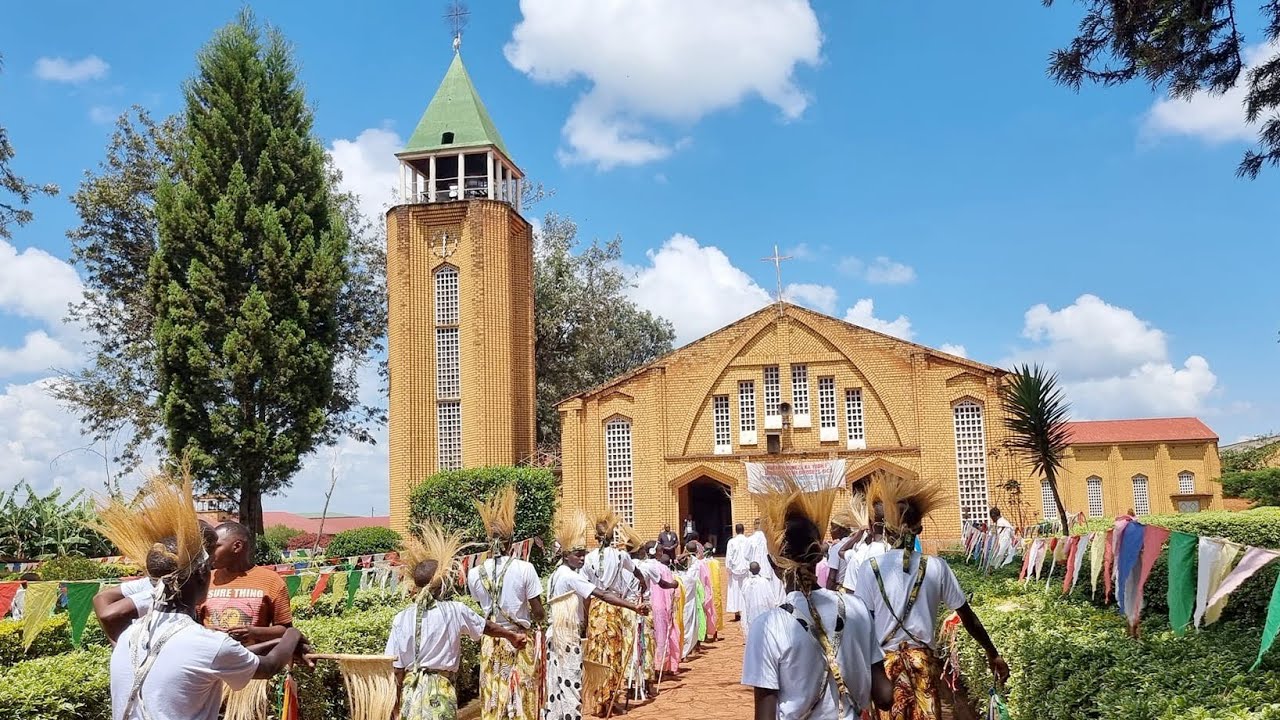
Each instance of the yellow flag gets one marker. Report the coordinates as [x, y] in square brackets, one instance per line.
[41, 597]
[338, 584]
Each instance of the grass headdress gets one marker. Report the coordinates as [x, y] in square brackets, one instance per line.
[499, 514]
[606, 521]
[571, 532]
[432, 543]
[793, 522]
[905, 502]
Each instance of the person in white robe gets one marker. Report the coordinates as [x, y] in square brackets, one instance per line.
[735, 560]
[758, 596]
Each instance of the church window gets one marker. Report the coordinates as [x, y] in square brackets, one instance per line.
[617, 458]
[446, 138]
[724, 433]
[447, 383]
[772, 398]
[800, 395]
[747, 412]
[971, 459]
[1094, 487]
[1048, 507]
[1141, 501]
[827, 409]
[1187, 482]
[853, 419]
[447, 295]
[449, 434]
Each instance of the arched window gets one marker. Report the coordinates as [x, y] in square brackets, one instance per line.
[1186, 483]
[1141, 500]
[971, 459]
[619, 485]
[1093, 485]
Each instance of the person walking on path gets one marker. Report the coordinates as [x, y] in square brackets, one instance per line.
[736, 563]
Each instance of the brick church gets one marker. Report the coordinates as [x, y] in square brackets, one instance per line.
[668, 440]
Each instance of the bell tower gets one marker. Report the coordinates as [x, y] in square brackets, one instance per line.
[460, 293]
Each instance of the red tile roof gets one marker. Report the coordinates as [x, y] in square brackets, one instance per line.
[1100, 432]
[331, 525]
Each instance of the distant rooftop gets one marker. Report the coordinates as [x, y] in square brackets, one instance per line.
[1104, 432]
[334, 523]
[1253, 443]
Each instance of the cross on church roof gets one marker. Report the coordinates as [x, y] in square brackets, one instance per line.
[457, 16]
[777, 259]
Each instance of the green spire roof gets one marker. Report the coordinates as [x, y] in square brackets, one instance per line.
[456, 108]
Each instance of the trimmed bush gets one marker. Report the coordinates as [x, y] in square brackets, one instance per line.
[278, 536]
[72, 686]
[71, 567]
[363, 541]
[264, 553]
[449, 498]
[306, 541]
[54, 639]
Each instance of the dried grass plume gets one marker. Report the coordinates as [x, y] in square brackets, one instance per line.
[499, 513]
[906, 501]
[163, 509]
[783, 498]
[571, 531]
[436, 544]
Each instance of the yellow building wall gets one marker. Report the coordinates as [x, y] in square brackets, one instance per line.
[1117, 464]
[492, 248]
[908, 394]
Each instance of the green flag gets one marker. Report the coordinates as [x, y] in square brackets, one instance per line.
[1272, 628]
[294, 584]
[353, 584]
[79, 603]
[1183, 549]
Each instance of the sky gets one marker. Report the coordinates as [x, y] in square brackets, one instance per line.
[913, 159]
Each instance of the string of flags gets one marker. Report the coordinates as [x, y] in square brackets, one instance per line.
[341, 576]
[1203, 571]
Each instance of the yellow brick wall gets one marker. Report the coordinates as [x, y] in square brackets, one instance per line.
[494, 257]
[1117, 464]
[908, 395]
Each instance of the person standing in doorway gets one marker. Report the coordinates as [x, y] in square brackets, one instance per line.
[668, 541]
[690, 529]
[738, 567]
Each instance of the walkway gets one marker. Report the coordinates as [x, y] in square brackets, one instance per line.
[707, 688]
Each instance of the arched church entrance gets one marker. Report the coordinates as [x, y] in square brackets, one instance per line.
[708, 502]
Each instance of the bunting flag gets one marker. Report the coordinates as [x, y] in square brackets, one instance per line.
[308, 582]
[1026, 557]
[8, 590]
[1272, 627]
[1069, 570]
[1215, 558]
[1182, 580]
[1082, 551]
[289, 699]
[466, 562]
[353, 584]
[1097, 550]
[1108, 563]
[40, 599]
[1254, 560]
[79, 603]
[1054, 544]
[1126, 563]
[321, 583]
[339, 582]
[1153, 538]
[293, 583]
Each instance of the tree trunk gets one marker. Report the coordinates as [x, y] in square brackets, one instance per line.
[1052, 479]
[251, 509]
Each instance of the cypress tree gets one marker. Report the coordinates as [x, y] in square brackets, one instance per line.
[248, 273]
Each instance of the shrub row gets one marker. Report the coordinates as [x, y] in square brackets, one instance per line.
[1073, 660]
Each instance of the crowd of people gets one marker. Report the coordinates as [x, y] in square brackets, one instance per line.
[843, 628]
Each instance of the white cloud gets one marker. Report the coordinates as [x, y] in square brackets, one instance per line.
[669, 61]
[369, 168]
[1113, 363]
[801, 251]
[39, 353]
[819, 297]
[35, 284]
[102, 115]
[1209, 117]
[863, 313]
[884, 271]
[60, 69]
[851, 266]
[39, 441]
[957, 350]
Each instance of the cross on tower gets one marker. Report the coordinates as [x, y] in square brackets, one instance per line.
[777, 259]
[457, 16]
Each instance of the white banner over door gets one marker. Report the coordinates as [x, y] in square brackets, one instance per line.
[810, 475]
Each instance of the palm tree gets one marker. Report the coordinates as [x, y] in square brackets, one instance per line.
[1035, 413]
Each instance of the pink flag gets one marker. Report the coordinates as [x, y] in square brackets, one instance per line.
[1254, 560]
[1027, 552]
[1153, 539]
[1073, 545]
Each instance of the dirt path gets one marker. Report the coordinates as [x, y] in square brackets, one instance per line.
[707, 688]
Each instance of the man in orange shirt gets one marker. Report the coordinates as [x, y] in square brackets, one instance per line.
[248, 602]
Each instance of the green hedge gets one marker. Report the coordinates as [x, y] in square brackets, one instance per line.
[54, 639]
[71, 686]
[363, 541]
[1072, 660]
[449, 498]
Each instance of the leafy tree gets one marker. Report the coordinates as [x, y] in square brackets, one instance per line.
[586, 328]
[1253, 458]
[278, 536]
[1185, 46]
[248, 275]
[363, 541]
[14, 211]
[1261, 486]
[34, 526]
[1036, 414]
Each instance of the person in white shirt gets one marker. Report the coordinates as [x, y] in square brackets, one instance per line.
[758, 596]
[815, 657]
[510, 594]
[843, 525]
[1003, 553]
[169, 666]
[426, 637]
[568, 592]
[610, 634]
[642, 675]
[736, 564]
[758, 552]
[904, 589]
[868, 544]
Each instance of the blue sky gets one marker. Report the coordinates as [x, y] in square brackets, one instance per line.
[915, 159]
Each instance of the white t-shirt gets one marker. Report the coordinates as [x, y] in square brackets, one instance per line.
[940, 587]
[648, 568]
[520, 584]
[439, 637]
[185, 682]
[608, 568]
[140, 591]
[857, 555]
[835, 556]
[783, 655]
[565, 580]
